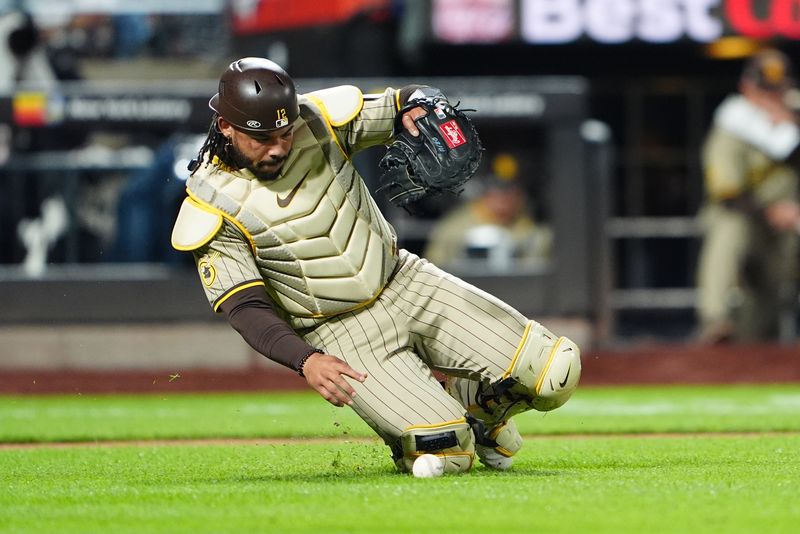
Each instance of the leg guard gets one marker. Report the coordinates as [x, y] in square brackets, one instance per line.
[452, 441]
[543, 374]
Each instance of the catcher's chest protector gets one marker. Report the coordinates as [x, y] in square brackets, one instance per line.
[320, 242]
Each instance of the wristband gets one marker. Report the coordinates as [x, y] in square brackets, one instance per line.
[305, 358]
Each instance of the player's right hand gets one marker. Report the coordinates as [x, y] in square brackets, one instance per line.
[325, 373]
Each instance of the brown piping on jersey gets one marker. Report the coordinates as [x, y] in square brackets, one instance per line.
[283, 202]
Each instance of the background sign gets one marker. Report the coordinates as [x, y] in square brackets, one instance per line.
[613, 21]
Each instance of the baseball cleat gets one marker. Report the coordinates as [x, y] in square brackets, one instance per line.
[499, 447]
[493, 459]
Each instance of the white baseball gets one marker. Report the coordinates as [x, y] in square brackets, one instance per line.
[428, 466]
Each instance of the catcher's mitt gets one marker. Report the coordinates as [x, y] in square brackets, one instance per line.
[443, 157]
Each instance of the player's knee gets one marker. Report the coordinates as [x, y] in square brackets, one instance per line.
[452, 441]
[549, 367]
[543, 375]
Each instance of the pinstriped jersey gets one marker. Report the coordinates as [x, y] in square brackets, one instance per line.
[314, 236]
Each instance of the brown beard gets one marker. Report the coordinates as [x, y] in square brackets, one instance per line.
[240, 161]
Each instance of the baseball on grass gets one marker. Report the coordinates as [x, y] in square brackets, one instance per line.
[428, 466]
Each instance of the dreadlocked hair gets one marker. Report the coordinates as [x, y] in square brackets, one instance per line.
[214, 145]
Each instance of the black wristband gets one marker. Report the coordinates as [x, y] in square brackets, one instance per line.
[305, 358]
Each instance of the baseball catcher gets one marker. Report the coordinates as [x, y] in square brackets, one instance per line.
[439, 154]
[291, 247]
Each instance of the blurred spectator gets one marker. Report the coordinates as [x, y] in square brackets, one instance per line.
[748, 261]
[114, 203]
[23, 62]
[148, 201]
[23, 57]
[132, 32]
[496, 231]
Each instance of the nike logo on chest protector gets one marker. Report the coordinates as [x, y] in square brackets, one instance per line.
[285, 201]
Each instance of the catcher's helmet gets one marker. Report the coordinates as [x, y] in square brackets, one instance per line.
[256, 96]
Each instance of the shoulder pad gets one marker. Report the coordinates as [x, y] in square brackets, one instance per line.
[195, 226]
[339, 104]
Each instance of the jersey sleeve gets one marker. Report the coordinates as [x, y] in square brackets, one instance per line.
[226, 265]
[374, 125]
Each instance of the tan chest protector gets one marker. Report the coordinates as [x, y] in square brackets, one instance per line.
[320, 242]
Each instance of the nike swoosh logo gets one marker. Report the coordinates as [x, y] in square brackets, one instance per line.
[283, 202]
[564, 383]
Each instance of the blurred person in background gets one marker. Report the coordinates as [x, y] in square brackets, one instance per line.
[748, 261]
[23, 56]
[496, 230]
[148, 201]
[24, 63]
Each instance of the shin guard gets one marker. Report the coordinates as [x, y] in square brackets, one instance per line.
[452, 441]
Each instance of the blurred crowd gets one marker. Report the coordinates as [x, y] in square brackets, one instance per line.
[118, 196]
[121, 209]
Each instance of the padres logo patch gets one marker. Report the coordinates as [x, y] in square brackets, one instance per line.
[207, 271]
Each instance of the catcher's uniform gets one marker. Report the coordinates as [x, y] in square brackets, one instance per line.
[327, 257]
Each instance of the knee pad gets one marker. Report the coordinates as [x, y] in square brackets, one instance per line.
[543, 375]
[550, 368]
[452, 441]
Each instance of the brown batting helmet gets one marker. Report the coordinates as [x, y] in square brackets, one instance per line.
[256, 96]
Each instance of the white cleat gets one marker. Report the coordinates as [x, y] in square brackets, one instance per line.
[507, 443]
[493, 459]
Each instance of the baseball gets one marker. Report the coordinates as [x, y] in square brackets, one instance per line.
[428, 466]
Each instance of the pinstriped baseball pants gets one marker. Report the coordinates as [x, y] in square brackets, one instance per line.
[424, 319]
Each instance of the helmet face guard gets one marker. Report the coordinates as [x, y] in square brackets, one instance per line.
[256, 96]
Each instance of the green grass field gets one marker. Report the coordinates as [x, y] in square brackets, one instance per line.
[655, 459]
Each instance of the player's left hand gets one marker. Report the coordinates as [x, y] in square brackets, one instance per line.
[435, 149]
[325, 373]
[410, 116]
